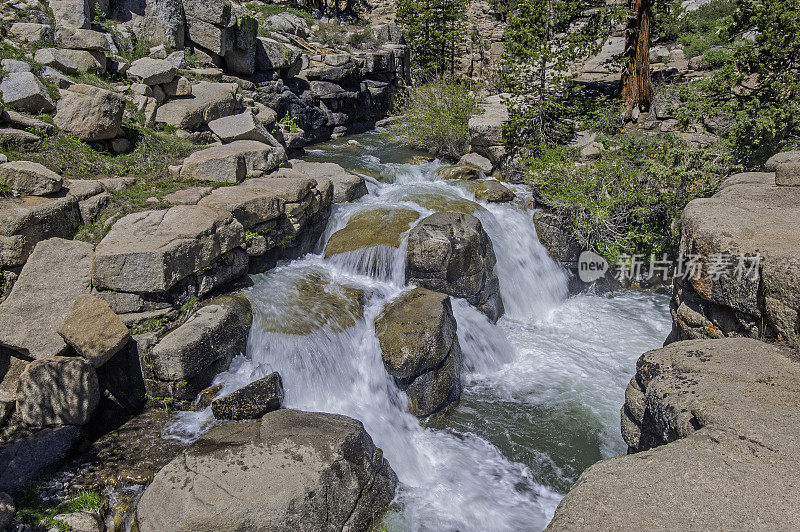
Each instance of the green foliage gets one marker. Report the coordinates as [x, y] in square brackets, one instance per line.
[755, 93]
[87, 501]
[189, 306]
[358, 39]
[149, 325]
[290, 122]
[435, 116]
[435, 33]
[698, 30]
[5, 190]
[35, 512]
[541, 44]
[629, 199]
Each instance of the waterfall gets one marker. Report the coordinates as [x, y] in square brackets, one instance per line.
[542, 386]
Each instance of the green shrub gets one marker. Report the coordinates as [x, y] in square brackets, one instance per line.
[357, 39]
[33, 511]
[628, 200]
[434, 117]
[701, 30]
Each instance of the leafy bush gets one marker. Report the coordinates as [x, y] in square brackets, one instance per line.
[33, 511]
[435, 117]
[629, 199]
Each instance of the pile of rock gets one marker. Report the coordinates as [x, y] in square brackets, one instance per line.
[486, 131]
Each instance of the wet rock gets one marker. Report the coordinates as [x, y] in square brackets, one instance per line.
[346, 186]
[461, 172]
[151, 71]
[26, 458]
[23, 91]
[93, 330]
[26, 221]
[478, 161]
[441, 203]
[719, 422]
[57, 272]
[203, 346]
[27, 178]
[252, 401]
[292, 469]
[231, 163]
[376, 227]
[491, 191]
[90, 113]
[452, 254]
[57, 391]
[313, 302]
[419, 346]
[151, 251]
[208, 102]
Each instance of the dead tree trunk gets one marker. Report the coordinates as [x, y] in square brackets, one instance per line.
[636, 87]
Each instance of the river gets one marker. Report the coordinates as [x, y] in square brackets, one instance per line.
[542, 387]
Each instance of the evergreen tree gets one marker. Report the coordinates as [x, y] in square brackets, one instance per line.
[434, 32]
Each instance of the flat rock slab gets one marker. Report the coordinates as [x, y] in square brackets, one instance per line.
[376, 227]
[56, 274]
[26, 221]
[244, 126]
[731, 408]
[231, 163]
[150, 71]
[291, 470]
[27, 178]
[208, 102]
[346, 186]
[151, 251]
[24, 91]
[93, 330]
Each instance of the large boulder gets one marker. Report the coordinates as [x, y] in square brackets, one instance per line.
[55, 58]
[346, 186]
[274, 55]
[231, 163]
[27, 178]
[151, 251]
[290, 471]
[93, 330]
[26, 221]
[56, 274]
[71, 13]
[90, 113]
[208, 102]
[371, 228]
[749, 226]
[57, 391]
[251, 401]
[23, 460]
[420, 349]
[218, 13]
[187, 359]
[154, 21]
[486, 129]
[150, 71]
[23, 90]
[82, 39]
[244, 126]
[719, 418]
[241, 58]
[451, 253]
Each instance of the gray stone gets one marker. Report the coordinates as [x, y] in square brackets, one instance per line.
[57, 272]
[56, 77]
[749, 178]
[274, 55]
[788, 174]
[252, 401]
[82, 521]
[16, 138]
[346, 186]
[151, 251]
[154, 21]
[24, 121]
[187, 196]
[27, 178]
[241, 58]
[7, 510]
[205, 345]
[719, 424]
[478, 161]
[11, 368]
[82, 39]
[91, 207]
[23, 91]
[24, 460]
[451, 253]
[208, 102]
[151, 71]
[52, 57]
[71, 13]
[419, 346]
[215, 39]
[29, 32]
[231, 163]
[289, 23]
[56, 391]
[487, 129]
[90, 113]
[28, 220]
[243, 126]
[180, 86]
[291, 470]
[93, 330]
[782, 157]
[490, 190]
[86, 60]
[14, 65]
[218, 13]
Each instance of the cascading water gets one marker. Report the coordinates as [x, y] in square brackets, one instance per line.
[542, 387]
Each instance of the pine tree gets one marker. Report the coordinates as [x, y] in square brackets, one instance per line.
[434, 33]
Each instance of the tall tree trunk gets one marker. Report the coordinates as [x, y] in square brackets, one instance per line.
[636, 87]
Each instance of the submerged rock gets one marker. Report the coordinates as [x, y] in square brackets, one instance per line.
[452, 254]
[419, 346]
[291, 470]
[440, 203]
[251, 401]
[366, 229]
[490, 190]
